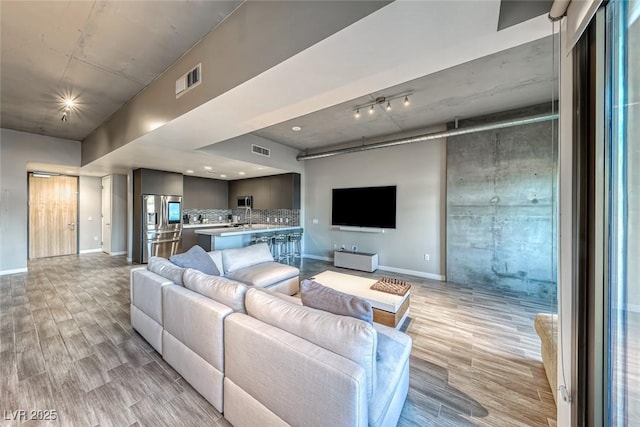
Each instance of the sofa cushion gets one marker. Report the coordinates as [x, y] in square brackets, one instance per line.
[321, 297]
[196, 258]
[351, 338]
[235, 259]
[264, 274]
[220, 289]
[216, 256]
[165, 268]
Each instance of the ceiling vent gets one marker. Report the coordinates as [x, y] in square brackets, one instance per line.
[189, 81]
[262, 151]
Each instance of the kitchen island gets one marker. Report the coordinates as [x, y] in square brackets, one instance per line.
[236, 237]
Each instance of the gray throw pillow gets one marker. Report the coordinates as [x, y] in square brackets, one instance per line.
[315, 295]
[196, 258]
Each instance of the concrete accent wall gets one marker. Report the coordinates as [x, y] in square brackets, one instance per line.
[418, 171]
[501, 206]
[16, 150]
[90, 214]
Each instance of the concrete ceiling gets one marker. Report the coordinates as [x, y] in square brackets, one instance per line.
[513, 78]
[449, 55]
[105, 50]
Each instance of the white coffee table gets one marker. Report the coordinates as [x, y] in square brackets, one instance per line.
[388, 309]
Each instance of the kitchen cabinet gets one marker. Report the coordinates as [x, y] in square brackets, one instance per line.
[269, 192]
[189, 239]
[205, 193]
[285, 191]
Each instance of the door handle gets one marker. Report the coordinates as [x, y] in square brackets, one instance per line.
[72, 225]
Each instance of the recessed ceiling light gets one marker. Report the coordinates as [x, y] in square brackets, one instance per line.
[223, 175]
[296, 128]
[189, 171]
[242, 173]
[69, 103]
[208, 168]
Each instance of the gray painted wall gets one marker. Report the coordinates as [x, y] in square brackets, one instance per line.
[90, 214]
[17, 149]
[418, 171]
[256, 37]
[501, 204]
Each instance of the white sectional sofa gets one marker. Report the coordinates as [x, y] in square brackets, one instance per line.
[253, 266]
[261, 358]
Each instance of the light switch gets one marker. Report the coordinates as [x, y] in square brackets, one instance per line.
[315, 220]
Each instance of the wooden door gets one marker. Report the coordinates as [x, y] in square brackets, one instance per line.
[53, 216]
[106, 214]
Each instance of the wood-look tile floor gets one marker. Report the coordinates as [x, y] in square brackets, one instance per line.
[66, 344]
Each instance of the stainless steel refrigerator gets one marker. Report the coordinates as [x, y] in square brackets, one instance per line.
[161, 225]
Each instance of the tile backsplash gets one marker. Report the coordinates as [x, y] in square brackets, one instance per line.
[258, 216]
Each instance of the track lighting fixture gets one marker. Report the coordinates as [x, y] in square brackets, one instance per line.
[381, 100]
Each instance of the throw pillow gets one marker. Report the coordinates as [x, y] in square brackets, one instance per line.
[235, 259]
[315, 295]
[196, 258]
[166, 269]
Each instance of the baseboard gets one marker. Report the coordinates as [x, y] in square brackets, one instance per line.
[389, 269]
[118, 253]
[14, 271]
[90, 251]
[319, 258]
[413, 273]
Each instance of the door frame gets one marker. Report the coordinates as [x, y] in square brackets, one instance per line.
[77, 177]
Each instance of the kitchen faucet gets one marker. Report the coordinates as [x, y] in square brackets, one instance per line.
[247, 213]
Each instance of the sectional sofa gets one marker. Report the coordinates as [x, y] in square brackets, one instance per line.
[262, 358]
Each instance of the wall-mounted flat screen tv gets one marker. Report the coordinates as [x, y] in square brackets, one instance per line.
[373, 207]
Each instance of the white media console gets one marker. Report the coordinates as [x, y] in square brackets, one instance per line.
[356, 260]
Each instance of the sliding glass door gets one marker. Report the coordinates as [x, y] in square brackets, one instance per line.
[622, 130]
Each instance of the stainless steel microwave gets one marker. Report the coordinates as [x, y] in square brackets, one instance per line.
[245, 201]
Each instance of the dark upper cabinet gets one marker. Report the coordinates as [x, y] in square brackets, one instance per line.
[285, 191]
[269, 192]
[149, 181]
[205, 193]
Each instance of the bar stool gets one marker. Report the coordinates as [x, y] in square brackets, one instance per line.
[265, 238]
[295, 244]
[280, 242]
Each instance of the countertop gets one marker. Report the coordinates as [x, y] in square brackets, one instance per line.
[238, 231]
[209, 225]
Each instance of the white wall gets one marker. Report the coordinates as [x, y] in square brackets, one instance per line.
[419, 172]
[16, 149]
[90, 214]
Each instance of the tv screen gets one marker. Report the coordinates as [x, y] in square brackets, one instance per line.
[373, 207]
[174, 212]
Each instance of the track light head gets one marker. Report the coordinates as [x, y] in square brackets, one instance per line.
[64, 117]
[388, 105]
[371, 110]
[357, 113]
[406, 100]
